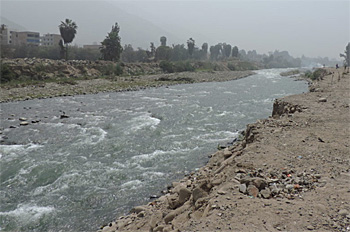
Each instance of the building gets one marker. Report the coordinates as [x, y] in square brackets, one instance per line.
[5, 35]
[50, 39]
[92, 47]
[24, 37]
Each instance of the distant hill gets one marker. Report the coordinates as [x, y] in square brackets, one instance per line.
[12, 25]
[94, 20]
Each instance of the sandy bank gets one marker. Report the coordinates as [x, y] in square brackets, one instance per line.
[290, 173]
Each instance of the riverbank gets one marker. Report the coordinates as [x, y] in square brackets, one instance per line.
[117, 84]
[289, 173]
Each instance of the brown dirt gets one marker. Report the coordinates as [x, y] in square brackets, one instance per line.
[302, 151]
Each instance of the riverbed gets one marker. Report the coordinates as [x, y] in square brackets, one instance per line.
[84, 160]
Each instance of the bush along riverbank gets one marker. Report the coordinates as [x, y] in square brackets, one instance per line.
[291, 172]
[24, 79]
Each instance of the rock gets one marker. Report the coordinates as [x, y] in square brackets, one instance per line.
[169, 217]
[24, 123]
[184, 195]
[243, 188]
[22, 119]
[260, 183]
[252, 190]
[200, 202]
[64, 116]
[137, 209]
[227, 153]
[198, 193]
[310, 227]
[159, 228]
[343, 212]
[322, 99]
[265, 193]
[155, 219]
[141, 214]
[289, 187]
[221, 192]
[216, 182]
[173, 201]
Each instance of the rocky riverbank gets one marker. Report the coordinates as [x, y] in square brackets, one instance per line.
[291, 172]
[87, 77]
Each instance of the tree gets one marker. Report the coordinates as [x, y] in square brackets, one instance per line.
[68, 29]
[346, 55]
[226, 50]
[163, 41]
[205, 48]
[190, 46]
[215, 51]
[111, 48]
[235, 51]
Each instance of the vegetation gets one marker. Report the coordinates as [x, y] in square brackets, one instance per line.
[68, 29]
[179, 66]
[190, 46]
[346, 55]
[318, 74]
[6, 74]
[111, 48]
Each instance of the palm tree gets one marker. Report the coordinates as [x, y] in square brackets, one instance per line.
[68, 29]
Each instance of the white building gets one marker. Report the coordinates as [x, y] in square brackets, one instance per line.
[50, 39]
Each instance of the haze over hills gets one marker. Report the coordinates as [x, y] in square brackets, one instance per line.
[94, 20]
[12, 25]
[312, 27]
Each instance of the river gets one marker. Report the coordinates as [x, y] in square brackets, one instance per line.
[90, 158]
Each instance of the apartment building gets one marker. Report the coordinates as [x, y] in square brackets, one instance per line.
[50, 39]
[5, 35]
[25, 37]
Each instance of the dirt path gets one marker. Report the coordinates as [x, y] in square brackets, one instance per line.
[290, 173]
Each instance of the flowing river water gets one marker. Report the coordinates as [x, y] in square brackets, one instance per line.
[115, 150]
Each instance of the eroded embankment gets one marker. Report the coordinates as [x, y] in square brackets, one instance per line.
[290, 172]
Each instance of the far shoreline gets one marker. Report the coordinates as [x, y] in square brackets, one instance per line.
[43, 90]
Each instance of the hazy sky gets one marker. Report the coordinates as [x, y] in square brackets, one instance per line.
[312, 28]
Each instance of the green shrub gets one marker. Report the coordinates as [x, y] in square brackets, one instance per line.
[318, 74]
[6, 73]
[231, 66]
[166, 66]
[182, 66]
[118, 70]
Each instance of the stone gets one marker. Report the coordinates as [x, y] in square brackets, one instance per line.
[289, 186]
[252, 190]
[159, 228]
[343, 212]
[168, 218]
[260, 183]
[265, 193]
[184, 195]
[310, 227]
[141, 214]
[137, 209]
[173, 201]
[155, 219]
[216, 182]
[221, 192]
[22, 119]
[24, 123]
[242, 188]
[322, 99]
[227, 153]
[198, 193]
